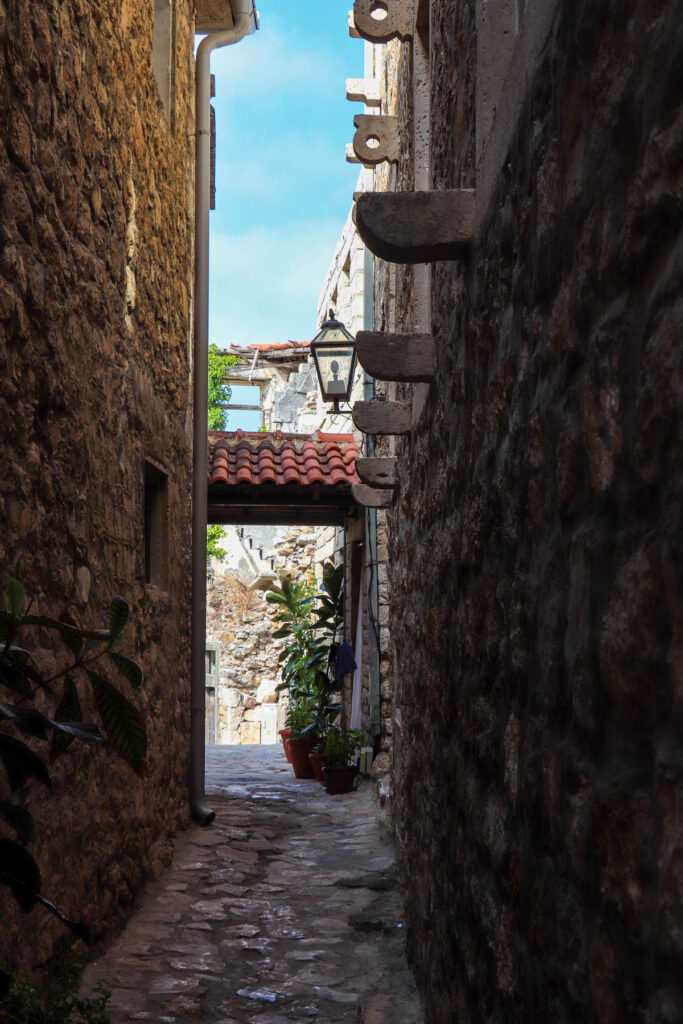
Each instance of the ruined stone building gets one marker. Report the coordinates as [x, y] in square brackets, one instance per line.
[526, 223]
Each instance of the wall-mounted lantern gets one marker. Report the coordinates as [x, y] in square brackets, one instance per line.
[334, 355]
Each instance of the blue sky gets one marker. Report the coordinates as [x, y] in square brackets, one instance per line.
[283, 187]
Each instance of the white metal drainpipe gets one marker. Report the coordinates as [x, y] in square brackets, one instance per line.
[245, 22]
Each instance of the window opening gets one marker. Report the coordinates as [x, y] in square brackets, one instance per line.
[162, 51]
[245, 399]
[156, 526]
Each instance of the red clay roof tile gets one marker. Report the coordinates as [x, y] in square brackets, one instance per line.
[236, 457]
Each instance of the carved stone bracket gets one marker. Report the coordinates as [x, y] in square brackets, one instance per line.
[379, 21]
[381, 129]
[370, 497]
[363, 90]
[406, 357]
[380, 473]
[416, 227]
[383, 417]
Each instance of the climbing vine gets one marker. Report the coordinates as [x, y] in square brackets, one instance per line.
[219, 390]
[219, 396]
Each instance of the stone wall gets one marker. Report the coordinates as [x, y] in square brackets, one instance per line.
[240, 623]
[536, 543]
[95, 294]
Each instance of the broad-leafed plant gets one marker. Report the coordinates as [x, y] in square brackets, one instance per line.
[88, 657]
[314, 656]
[340, 747]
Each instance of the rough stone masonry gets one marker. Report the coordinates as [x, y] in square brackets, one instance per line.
[95, 294]
[536, 544]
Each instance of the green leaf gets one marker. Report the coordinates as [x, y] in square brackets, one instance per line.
[18, 818]
[68, 710]
[18, 656]
[117, 616]
[121, 720]
[72, 637]
[21, 763]
[282, 632]
[89, 732]
[5, 626]
[19, 871]
[94, 640]
[14, 679]
[78, 929]
[14, 596]
[128, 668]
[274, 598]
[29, 721]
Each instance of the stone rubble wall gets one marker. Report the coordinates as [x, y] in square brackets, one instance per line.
[95, 297]
[240, 623]
[536, 543]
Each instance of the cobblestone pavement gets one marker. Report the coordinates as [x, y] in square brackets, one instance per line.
[285, 909]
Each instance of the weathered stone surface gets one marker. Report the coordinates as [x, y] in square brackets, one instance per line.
[536, 541]
[378, 472]
[403, 357]
[383, 417]
[323, 944]
[416, 227]
[87, 160]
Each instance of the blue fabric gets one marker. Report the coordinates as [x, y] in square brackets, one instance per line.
[345, 659]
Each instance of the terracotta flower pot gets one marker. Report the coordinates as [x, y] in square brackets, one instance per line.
[285, 743]
[299, 751]
[341, 779]
[318, 760]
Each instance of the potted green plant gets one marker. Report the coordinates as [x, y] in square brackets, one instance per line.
[300, 717]
[314, 657]
[341, 766]
[317, 759]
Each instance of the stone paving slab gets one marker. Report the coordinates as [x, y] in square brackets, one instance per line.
[285, 909]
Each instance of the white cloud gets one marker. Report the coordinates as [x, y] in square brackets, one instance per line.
[274, 61]
[265, 282]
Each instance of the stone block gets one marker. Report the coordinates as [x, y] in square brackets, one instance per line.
[231, 697]
[266, 692]
[250, 732]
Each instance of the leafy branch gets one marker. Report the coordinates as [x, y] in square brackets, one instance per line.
[120, 719]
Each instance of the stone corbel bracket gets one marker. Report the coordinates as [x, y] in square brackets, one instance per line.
[380, 129]
[379, 21]
[380, 473]
[404, 357]
[383, 417]
[370, 497]
[363, 90]
[416, 227]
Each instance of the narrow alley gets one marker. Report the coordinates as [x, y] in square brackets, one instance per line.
[285, 909]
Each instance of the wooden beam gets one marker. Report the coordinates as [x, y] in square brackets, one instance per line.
[370, 497]
[409, 357]
[383, 417]
[378, 472]
[416, 227]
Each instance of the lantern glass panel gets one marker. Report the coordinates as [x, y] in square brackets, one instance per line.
[335, 364]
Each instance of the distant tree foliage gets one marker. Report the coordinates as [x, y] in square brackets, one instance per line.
[214, 534]
[219, 396]
[219, 390]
